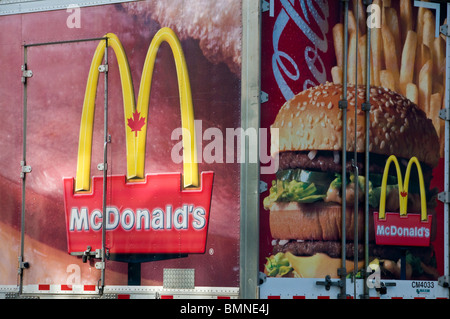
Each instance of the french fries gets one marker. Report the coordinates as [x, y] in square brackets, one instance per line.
[393, 24]
[377, 54]
[387, 79]
[390, 54]
[338, 39]
[412, 93]
[362, 57]
[425, 86]
[406, 18]
[336, 74]
[438, 57]
[406, 55]
[419, 24]
[423, 54]
[428, 28]
[353, 69]
[408, 60]
[435, 107]
[351, 22]
[361, 16]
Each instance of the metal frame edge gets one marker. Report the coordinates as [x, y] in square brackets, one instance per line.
[250, 118]
[20, 7]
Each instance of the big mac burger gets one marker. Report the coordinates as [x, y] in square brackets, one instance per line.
[305, 199]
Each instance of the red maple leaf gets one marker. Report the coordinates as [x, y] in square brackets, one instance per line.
[136, 122]
[404, 194]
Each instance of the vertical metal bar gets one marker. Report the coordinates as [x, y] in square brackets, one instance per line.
[342, 272]
[249, 177]
[447, 153]
[366, 108]
[355, 163]
[24, 157]
[105, 168]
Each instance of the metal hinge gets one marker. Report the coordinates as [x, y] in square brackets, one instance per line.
[265, 6]
[264, 97]
[26, 73]
[262, 186]
[24, 169]
[268, 6]
[443, 29]
[444, 281]
[444, 197]
[444, 114]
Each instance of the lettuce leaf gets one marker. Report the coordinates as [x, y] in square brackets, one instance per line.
[277, 265]
[292, 191]
[302, 186]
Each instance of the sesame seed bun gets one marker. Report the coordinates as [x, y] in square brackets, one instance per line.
[312, 120]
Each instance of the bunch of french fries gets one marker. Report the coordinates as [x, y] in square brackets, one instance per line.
[406, 57]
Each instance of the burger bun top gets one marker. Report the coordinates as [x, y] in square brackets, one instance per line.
[312, 120]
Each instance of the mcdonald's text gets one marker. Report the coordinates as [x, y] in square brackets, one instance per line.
[398, 231]
[184, 217]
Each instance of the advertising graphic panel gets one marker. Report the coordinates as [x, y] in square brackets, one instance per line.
[315, 79]
[172, 186]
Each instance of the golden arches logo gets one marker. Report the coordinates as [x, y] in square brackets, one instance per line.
[403, 188]
[136, 135]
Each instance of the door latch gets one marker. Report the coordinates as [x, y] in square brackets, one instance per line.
[382, 289]
[328, 283]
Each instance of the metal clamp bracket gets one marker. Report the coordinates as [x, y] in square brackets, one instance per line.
[366, 106]
[444, 281]
[343, 104]
[443, 29]
[444, 197]
[264, 97]
[444, 114]
[22, 265]
[26, 73]
[264, 6]
[262, 186]
[103, 68]
[24, 169]
[102, 166]
[100, 265]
